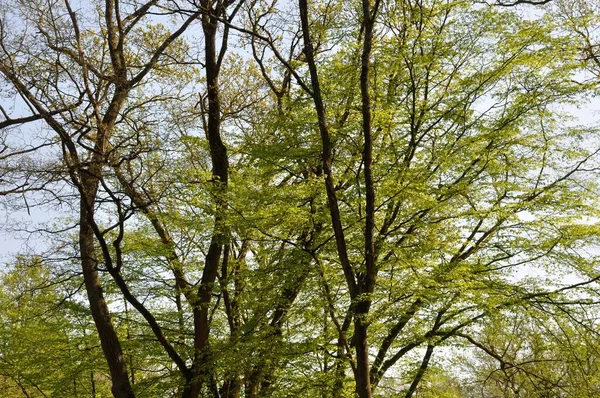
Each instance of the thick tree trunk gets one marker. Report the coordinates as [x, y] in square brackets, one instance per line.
[111, 346]
[362, 373]
[252, 385]
[202, 368]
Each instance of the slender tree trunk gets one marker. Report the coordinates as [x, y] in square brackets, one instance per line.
[128, 338]
[420, 372]
[360, 284]
[93, 383]
[340, 371]
[366, 279]
[231, 388]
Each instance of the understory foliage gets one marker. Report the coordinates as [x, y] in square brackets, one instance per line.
[332, 198]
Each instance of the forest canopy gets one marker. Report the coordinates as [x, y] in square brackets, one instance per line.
[250, 198]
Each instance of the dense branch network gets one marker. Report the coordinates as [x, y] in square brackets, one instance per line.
[301, 199]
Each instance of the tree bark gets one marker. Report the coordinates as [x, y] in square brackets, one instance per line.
[201, 369]
[111, 346]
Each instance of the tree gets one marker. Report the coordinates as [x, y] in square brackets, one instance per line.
[305, 203]
[43, 325]
[541, 353]
[82, 96]
[465, 155]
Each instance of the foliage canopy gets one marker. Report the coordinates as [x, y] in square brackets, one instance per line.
[325, 199]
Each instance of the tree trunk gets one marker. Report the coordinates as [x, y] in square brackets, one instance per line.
[362, 372]
[366, 279]
[111, 346]
[202, 368]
